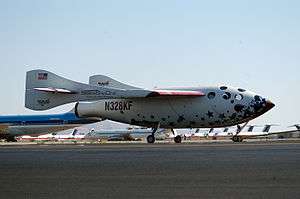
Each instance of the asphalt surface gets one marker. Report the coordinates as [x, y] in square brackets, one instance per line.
[247, 170]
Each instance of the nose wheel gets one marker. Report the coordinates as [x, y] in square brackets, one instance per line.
[237, 138]
[177, 139]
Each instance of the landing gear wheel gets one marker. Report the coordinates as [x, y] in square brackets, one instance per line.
[177, 139]
[150, 139]
[11, 139]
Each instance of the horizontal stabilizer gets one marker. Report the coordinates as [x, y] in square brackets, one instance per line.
[55, 90]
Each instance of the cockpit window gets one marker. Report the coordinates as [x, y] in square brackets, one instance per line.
[238, 97]
[223, 88]
[257, 98]
[211, 95]
[241, 90]
[226, 95]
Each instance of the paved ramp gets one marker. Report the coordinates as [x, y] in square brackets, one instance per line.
[268, 170]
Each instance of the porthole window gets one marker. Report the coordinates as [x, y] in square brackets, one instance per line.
[239, 97]
[226, 95]
[211, 95]
[241, 90]
[238, 107]
[257, 98]
[223, 88]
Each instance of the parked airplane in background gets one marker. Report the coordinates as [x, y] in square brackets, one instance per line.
[239, 137]
[297, 126]
[74, 135]
[201, 107]
[17, 125]
[128, 134]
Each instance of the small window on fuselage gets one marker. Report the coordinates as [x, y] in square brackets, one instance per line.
[238, 97]
[223, 88]
[226, 96]
[257, 98]
[211, 95]
[241, 90]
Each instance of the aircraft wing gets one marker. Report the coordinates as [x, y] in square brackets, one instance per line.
[184, 93]
[261, 134]
[154, 93]
[283, 132]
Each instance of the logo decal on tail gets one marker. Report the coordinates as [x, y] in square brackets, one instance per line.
[43, 102]
[42, 76]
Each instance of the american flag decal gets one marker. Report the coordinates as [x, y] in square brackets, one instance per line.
[42, 76]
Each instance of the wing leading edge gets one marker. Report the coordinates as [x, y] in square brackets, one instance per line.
[183, 93]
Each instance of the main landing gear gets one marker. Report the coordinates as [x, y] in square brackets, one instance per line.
[177, 138]
[151, 138]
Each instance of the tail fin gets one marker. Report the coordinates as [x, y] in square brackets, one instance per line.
[46, 90]
[104, 81]
[74, 132]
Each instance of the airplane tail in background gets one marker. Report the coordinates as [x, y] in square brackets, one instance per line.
[74, 132]
[46, 90]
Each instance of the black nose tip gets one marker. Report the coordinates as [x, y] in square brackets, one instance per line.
[269, 104]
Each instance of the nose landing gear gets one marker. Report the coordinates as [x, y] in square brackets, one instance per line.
[237, 138]
[177, 139]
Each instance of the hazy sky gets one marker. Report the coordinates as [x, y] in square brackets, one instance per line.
[249, 44]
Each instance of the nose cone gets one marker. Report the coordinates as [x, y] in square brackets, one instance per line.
[269, 105]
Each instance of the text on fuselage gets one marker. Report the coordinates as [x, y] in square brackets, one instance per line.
[118, 106]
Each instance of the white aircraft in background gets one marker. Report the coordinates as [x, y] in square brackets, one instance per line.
[74, 135]
[125, 134]
[297, 126]
[128, 134]
[197, 107]
[236, 136]
[240, 136]
[44, 137]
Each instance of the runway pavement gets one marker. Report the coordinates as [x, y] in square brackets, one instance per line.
[194, 170]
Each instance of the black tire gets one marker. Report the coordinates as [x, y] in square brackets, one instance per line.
[177, 139]
[150, 139]
[11, 139]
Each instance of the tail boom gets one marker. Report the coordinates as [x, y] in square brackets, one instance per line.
[46, 90]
